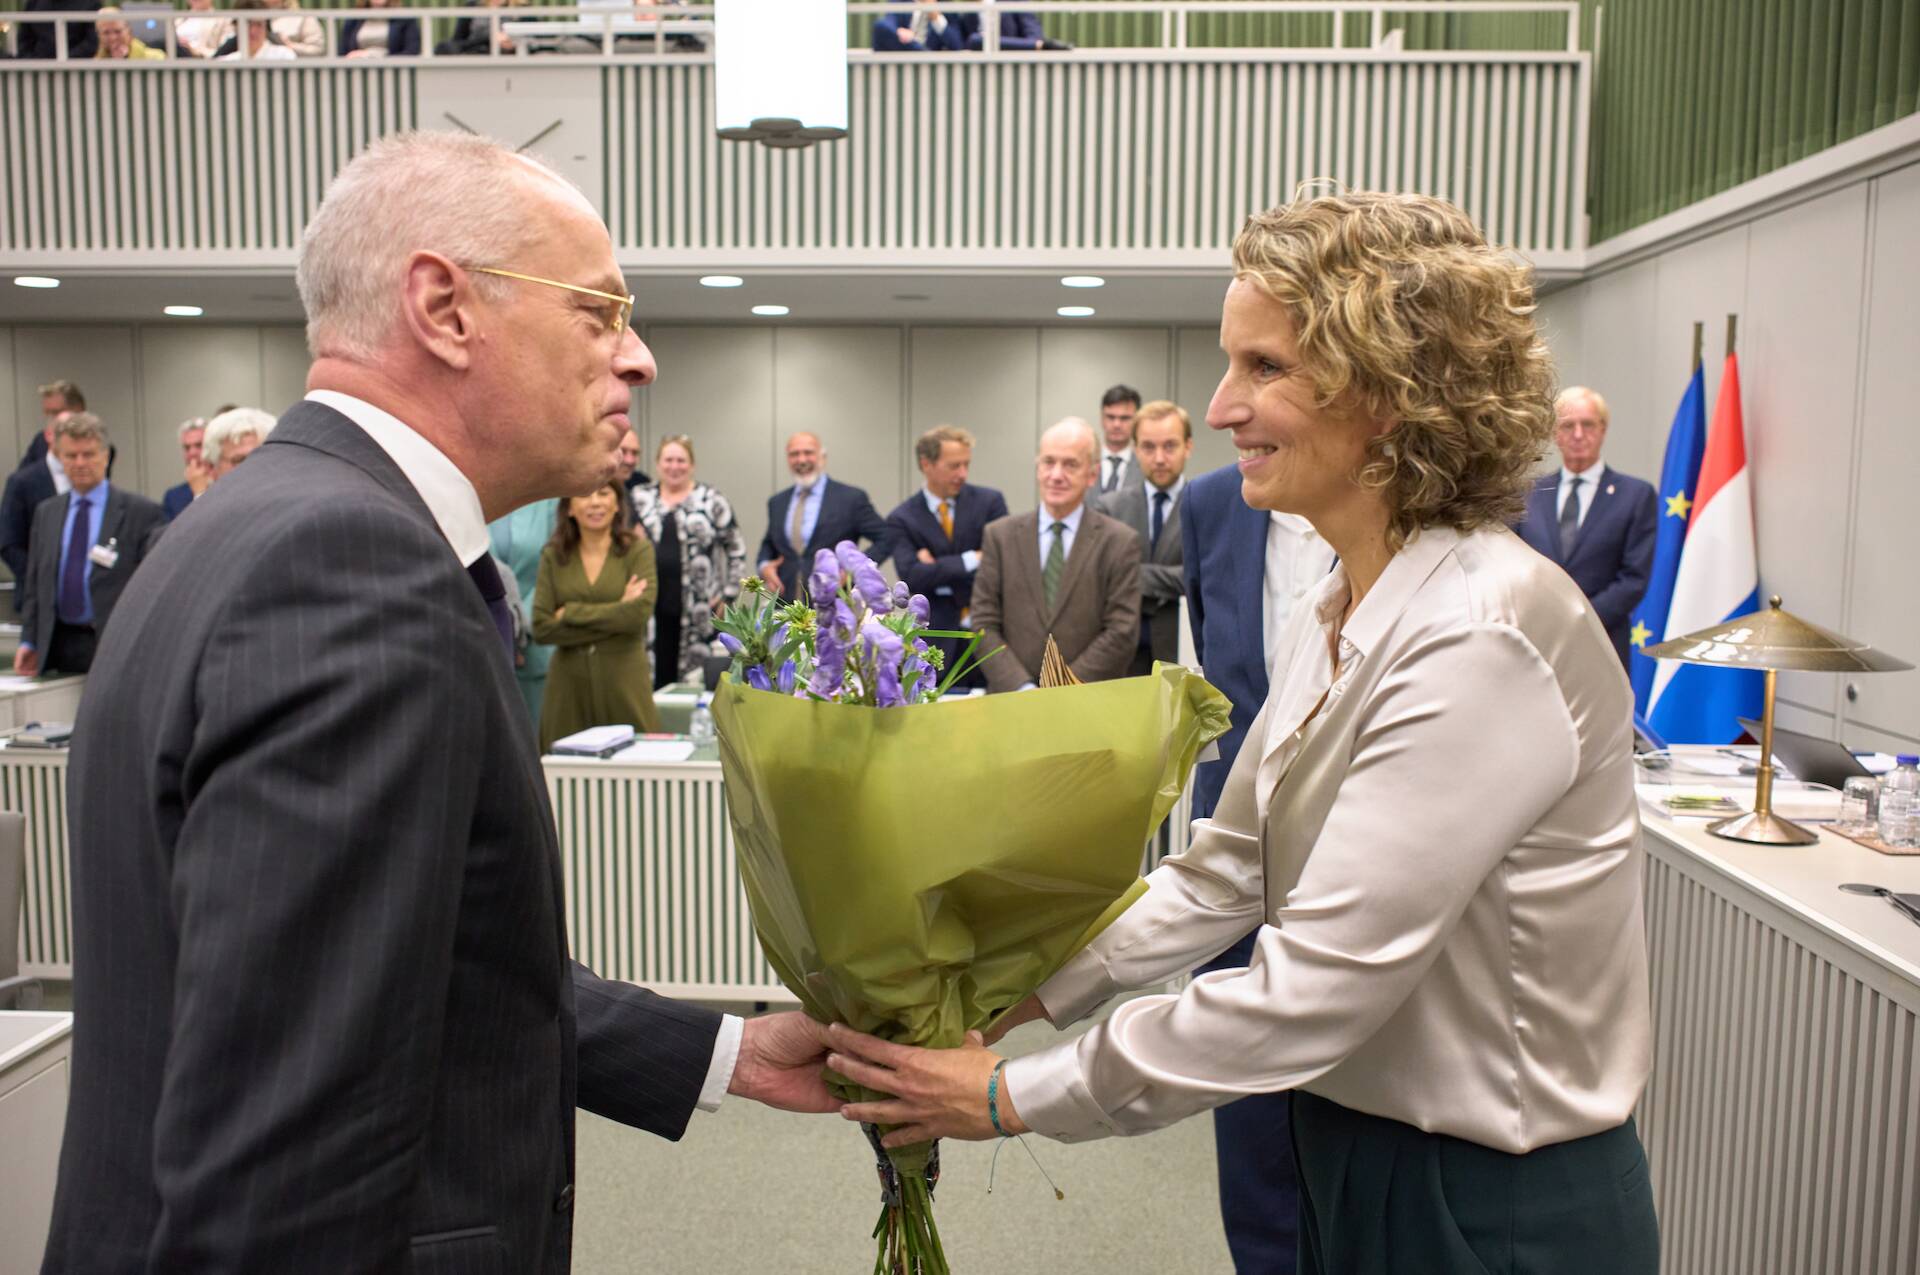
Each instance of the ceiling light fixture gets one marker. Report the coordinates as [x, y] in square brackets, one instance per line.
[1083, 281]
[35, 281]
[185, 311]
[770, 311]
[781, 79]
[1075, 311]
[721, 281]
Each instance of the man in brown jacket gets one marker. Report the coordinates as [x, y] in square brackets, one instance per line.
[1062, 570]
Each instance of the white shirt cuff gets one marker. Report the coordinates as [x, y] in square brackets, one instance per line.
[726, 1053]
[970, 559]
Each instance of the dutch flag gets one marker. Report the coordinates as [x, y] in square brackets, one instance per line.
[1718, 578]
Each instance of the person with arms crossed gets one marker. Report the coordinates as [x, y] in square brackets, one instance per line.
[1597, 523]
[326, 1016]
[1433, 821]
[1064, 571]
[937, 533]
[813, 514]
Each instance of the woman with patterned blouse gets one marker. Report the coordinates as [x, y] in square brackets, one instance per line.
[701, 557]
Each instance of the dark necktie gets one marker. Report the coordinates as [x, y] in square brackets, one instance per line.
[70, 607]
[1570, 518]
[1055, 564]
[1114, 465]
[1159, 517]
[486, 578]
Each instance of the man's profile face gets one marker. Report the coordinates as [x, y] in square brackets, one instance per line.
[554, 379]
[1163, 448]
[84, 459]
[946, 476]
[804, 457]
[1116, 422]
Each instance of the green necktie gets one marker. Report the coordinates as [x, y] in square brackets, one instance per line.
[1056, 562]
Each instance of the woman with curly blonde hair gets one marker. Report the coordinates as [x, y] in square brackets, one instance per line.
[1432, 822]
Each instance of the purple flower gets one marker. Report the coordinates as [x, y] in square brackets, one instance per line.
[830, 645]
[778, 640]
[883, 648]
[921, 608]
[824, 583]
[918, 672]
[784, 683]
[867, 580]
[902, 595]
[732, 644]
[848, 555]
[757, 678]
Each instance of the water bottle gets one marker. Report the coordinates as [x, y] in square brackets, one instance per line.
[1900, 803]
[701, 728]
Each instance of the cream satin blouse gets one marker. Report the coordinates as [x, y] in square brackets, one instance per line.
[1444, 863]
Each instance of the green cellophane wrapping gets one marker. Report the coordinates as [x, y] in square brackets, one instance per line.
[913, 872]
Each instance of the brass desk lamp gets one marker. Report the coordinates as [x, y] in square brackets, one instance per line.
[1772, 640]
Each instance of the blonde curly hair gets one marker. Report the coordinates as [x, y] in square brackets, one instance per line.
[1403, 311]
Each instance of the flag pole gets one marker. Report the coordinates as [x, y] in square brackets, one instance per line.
[1733, 321]
[1699, 342]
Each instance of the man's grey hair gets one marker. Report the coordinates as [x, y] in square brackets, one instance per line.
[1079, 425]
[81, 427]
[190, 424]
[231, 426]
[462, 196]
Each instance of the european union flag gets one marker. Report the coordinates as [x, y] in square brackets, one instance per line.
[1679, 481]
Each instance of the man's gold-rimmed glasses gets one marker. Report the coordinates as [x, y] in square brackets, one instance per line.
[615, 325]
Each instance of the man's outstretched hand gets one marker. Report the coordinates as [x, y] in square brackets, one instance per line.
[781, 1057]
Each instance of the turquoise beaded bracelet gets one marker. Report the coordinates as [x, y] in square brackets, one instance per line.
[993, 1098]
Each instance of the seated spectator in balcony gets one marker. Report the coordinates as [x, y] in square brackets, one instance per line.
[37, 38]
[193, 433]
[262, 44]
[301, 33]
[925, 29]
[231, 437]
[118, 45]
[86, 545]
[1017, 31]
[201, 34]
[471, 35]
[379, 37]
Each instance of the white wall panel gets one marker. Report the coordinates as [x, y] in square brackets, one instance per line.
[190, 370]
[986, 380]
[843, 384]
[101, 360]
[716, 386]
[1078, 365]
[283, 367]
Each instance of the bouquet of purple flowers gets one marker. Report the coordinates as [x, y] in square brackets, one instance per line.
[920, 940]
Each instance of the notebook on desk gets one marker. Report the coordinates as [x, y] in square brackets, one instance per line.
[1809, 757]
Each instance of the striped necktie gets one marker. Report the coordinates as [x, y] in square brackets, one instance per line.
[1056, 562]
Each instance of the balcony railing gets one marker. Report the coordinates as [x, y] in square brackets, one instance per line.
[1142, 158]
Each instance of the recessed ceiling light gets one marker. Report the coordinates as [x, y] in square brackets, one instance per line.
[771, 311]
[1075, 311]
[721, 281]
[1083, 281]
[185, 311]
[34, 281]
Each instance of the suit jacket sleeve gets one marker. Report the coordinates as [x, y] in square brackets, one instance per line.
[770, 547]
[1622, 594]
[643, 1058]
[872, 528]
[312, 761]
[944, 572]
[26, 585]
[1190, 573]
[1109, 654]
[16, 524]
[405, 37]
[1004, 671]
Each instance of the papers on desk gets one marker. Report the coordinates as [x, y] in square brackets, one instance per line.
[647, 750]
[17, 682]
[1804, 803]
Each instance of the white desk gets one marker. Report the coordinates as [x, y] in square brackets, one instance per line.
[34, 1049]
[1782, 1121]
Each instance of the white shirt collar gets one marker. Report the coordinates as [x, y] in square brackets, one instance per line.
[447, 493]
[1072, 520]
[60, 484]
[1292, 524]
[1179, 483]
[933, 501]
[1591, 475]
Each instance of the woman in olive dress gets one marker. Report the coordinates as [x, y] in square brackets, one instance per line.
[594, 597]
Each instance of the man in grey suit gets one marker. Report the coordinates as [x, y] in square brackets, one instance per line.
[1063, 570]
[1118, 465]
[1163, 442]
[86, 544]
[325, 1018]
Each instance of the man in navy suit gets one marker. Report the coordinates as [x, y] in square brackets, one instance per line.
[937, 532]
[924, 30]
[1596, 522]
[811, 515]
[193, 432]
[1245, 570]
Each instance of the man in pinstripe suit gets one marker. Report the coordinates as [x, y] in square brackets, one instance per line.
[325, 1018]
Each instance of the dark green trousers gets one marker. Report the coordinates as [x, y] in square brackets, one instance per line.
[1378, 1197]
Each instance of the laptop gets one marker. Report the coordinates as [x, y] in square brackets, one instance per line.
[1811, 759]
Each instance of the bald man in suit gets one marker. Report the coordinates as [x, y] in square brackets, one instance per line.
[1063, 570]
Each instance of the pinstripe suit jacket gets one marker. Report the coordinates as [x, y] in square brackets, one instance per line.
[324, 1012]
